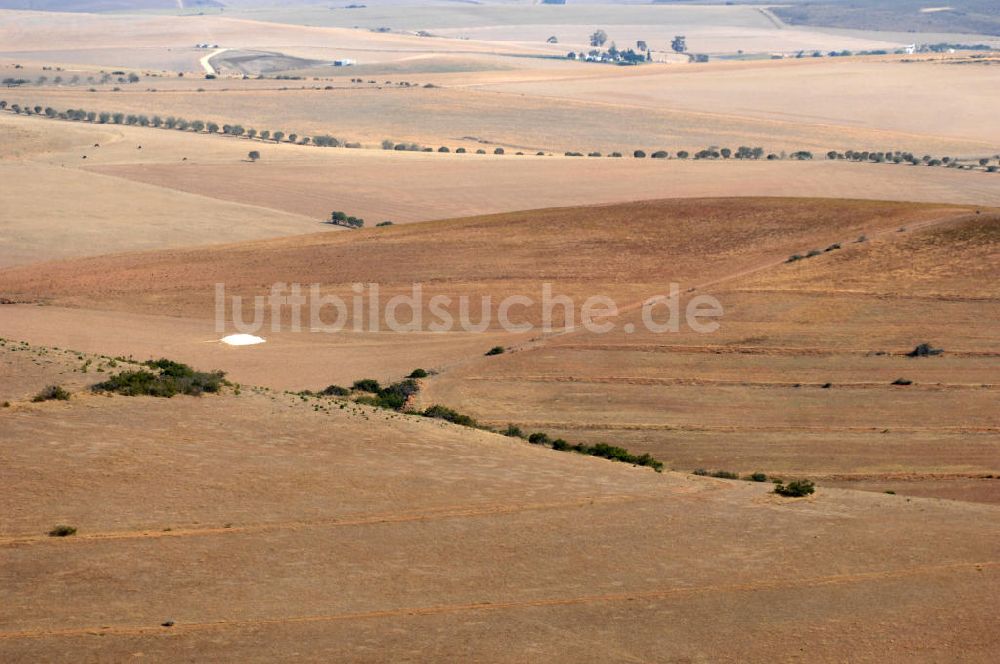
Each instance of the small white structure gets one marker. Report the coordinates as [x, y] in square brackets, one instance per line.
[910, 49]
[346, 62]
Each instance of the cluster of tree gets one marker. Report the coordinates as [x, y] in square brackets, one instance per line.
[742, 152]
[944, 47]
[602, 450]
[613, 55]
[163, 378]
[132, 77]
[338, 218]
[180, 124]
[902, 157]
[397, 397]
[325, 140]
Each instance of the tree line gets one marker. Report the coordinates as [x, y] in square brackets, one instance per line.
[742, 152]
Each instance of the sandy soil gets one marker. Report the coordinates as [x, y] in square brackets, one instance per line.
[747, 398]
[778, 106]
[257, 526]
[182, 189]
[263, 525]
[752, 395]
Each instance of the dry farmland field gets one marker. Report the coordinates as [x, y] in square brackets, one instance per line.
[681, 361]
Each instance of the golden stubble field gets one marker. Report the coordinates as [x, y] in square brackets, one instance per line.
[842, 104]
[257, 526]
[126, 188]
[261, 524]
[796, 381]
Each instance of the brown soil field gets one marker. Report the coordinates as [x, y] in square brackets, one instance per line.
[258, 527]
[789, 106]
[751, 396]
[182, 189]
[747, 398]
[54, 209]
[267, 523]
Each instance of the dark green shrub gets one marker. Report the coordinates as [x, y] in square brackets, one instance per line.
[62, 531]
[795, 488]
[496, 350]
[169, 379]
[395, 396]
[538, 439]
[513, 431]
[418, 373]
[445, 413]
[560, 445]
[725, 475]
[51, 393]
[367, 385]
[335, 391]
[924, 350]
[701, 472]
[757, 477]
[902, 381]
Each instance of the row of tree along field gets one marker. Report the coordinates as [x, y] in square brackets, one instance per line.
[324, 140]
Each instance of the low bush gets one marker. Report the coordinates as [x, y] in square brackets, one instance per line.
[539, 438]
[449, 415]
[513, 431]
[51, 393]
[902, 381]
[613, 453]
[924, 350]
[335, 391]
[795, 488]
[367, 385]
[62, 531]
[395, 396]
[496, 350]
[418, 373]
[167, 379]
[756, 477]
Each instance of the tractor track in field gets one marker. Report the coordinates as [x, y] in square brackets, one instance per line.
[660, 594]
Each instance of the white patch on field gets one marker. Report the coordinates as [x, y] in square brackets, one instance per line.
[241, 340]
